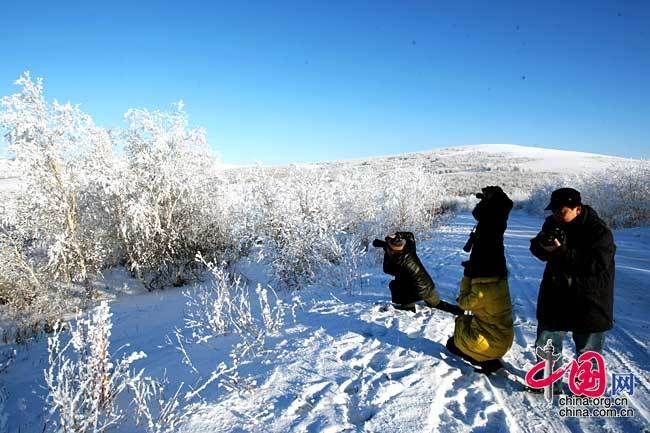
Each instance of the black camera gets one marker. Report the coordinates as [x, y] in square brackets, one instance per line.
[378, 243]
[395, 238]
[547, 238]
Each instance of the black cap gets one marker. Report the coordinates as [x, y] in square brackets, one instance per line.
[564, 197]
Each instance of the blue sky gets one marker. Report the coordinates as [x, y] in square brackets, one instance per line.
[277, 82]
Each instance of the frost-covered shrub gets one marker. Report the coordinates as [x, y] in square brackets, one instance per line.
[410, 199]
[162, 208]
[30, 300]
[308, 221]
[90, 391]
[158, 411]
[225, 306]
[619, 194]
[56, 147]
[229, 306]
[160, 200]
[82, 206]
[344, 258]
[82, 379]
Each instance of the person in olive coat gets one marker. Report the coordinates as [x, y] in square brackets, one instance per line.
[577, 289]
[486, 333]
[412, 282]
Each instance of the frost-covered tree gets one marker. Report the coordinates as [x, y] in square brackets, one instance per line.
[57, 147]
[161, 207]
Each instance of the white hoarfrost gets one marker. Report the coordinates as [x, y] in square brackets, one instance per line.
[82, 379]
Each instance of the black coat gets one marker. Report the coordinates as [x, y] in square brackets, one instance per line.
[487, 258]
[577, 289]
[412, 281]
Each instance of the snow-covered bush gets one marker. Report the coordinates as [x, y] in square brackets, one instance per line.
[158, 412]
[30, 300]
[225, 306]
[308, 221]
[162, 208]
[82, 206]
[620, 194]
[82, 379]
[344, 258]
[55, 147]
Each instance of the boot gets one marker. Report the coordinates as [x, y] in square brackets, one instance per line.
[406, 307]
[490, 366]
[449, 308]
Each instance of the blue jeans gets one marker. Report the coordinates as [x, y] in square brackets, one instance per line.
[591, 341]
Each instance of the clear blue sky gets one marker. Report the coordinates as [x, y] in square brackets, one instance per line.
[279, 82]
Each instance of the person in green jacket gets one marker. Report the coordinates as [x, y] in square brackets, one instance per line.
[485, 333]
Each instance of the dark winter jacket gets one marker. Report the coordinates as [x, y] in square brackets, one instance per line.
[577, 289]
[412, 281]
[487, 258]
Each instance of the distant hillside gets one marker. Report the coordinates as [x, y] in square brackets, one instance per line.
[464, 168]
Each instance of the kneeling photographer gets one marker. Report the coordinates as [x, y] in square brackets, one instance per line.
[412, 282]
[486, 333]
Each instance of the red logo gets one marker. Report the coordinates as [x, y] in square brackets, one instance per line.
[587, 375]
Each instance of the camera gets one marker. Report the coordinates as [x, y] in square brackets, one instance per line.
[547, 238]
[394, 239]
[378, 243]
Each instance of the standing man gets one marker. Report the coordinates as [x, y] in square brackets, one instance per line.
[577, 289]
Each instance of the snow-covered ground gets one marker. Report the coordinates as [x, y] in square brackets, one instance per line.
[347, 365]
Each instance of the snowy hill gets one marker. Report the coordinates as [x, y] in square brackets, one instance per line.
[464, 170]
[456, 159]
[487, 157]
[345, 365]
[546, 160]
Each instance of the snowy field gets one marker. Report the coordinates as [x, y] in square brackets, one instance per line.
[346, 365]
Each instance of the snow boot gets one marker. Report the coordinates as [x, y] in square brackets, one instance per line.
[406, 307]
[446, 306]
[490, 366]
